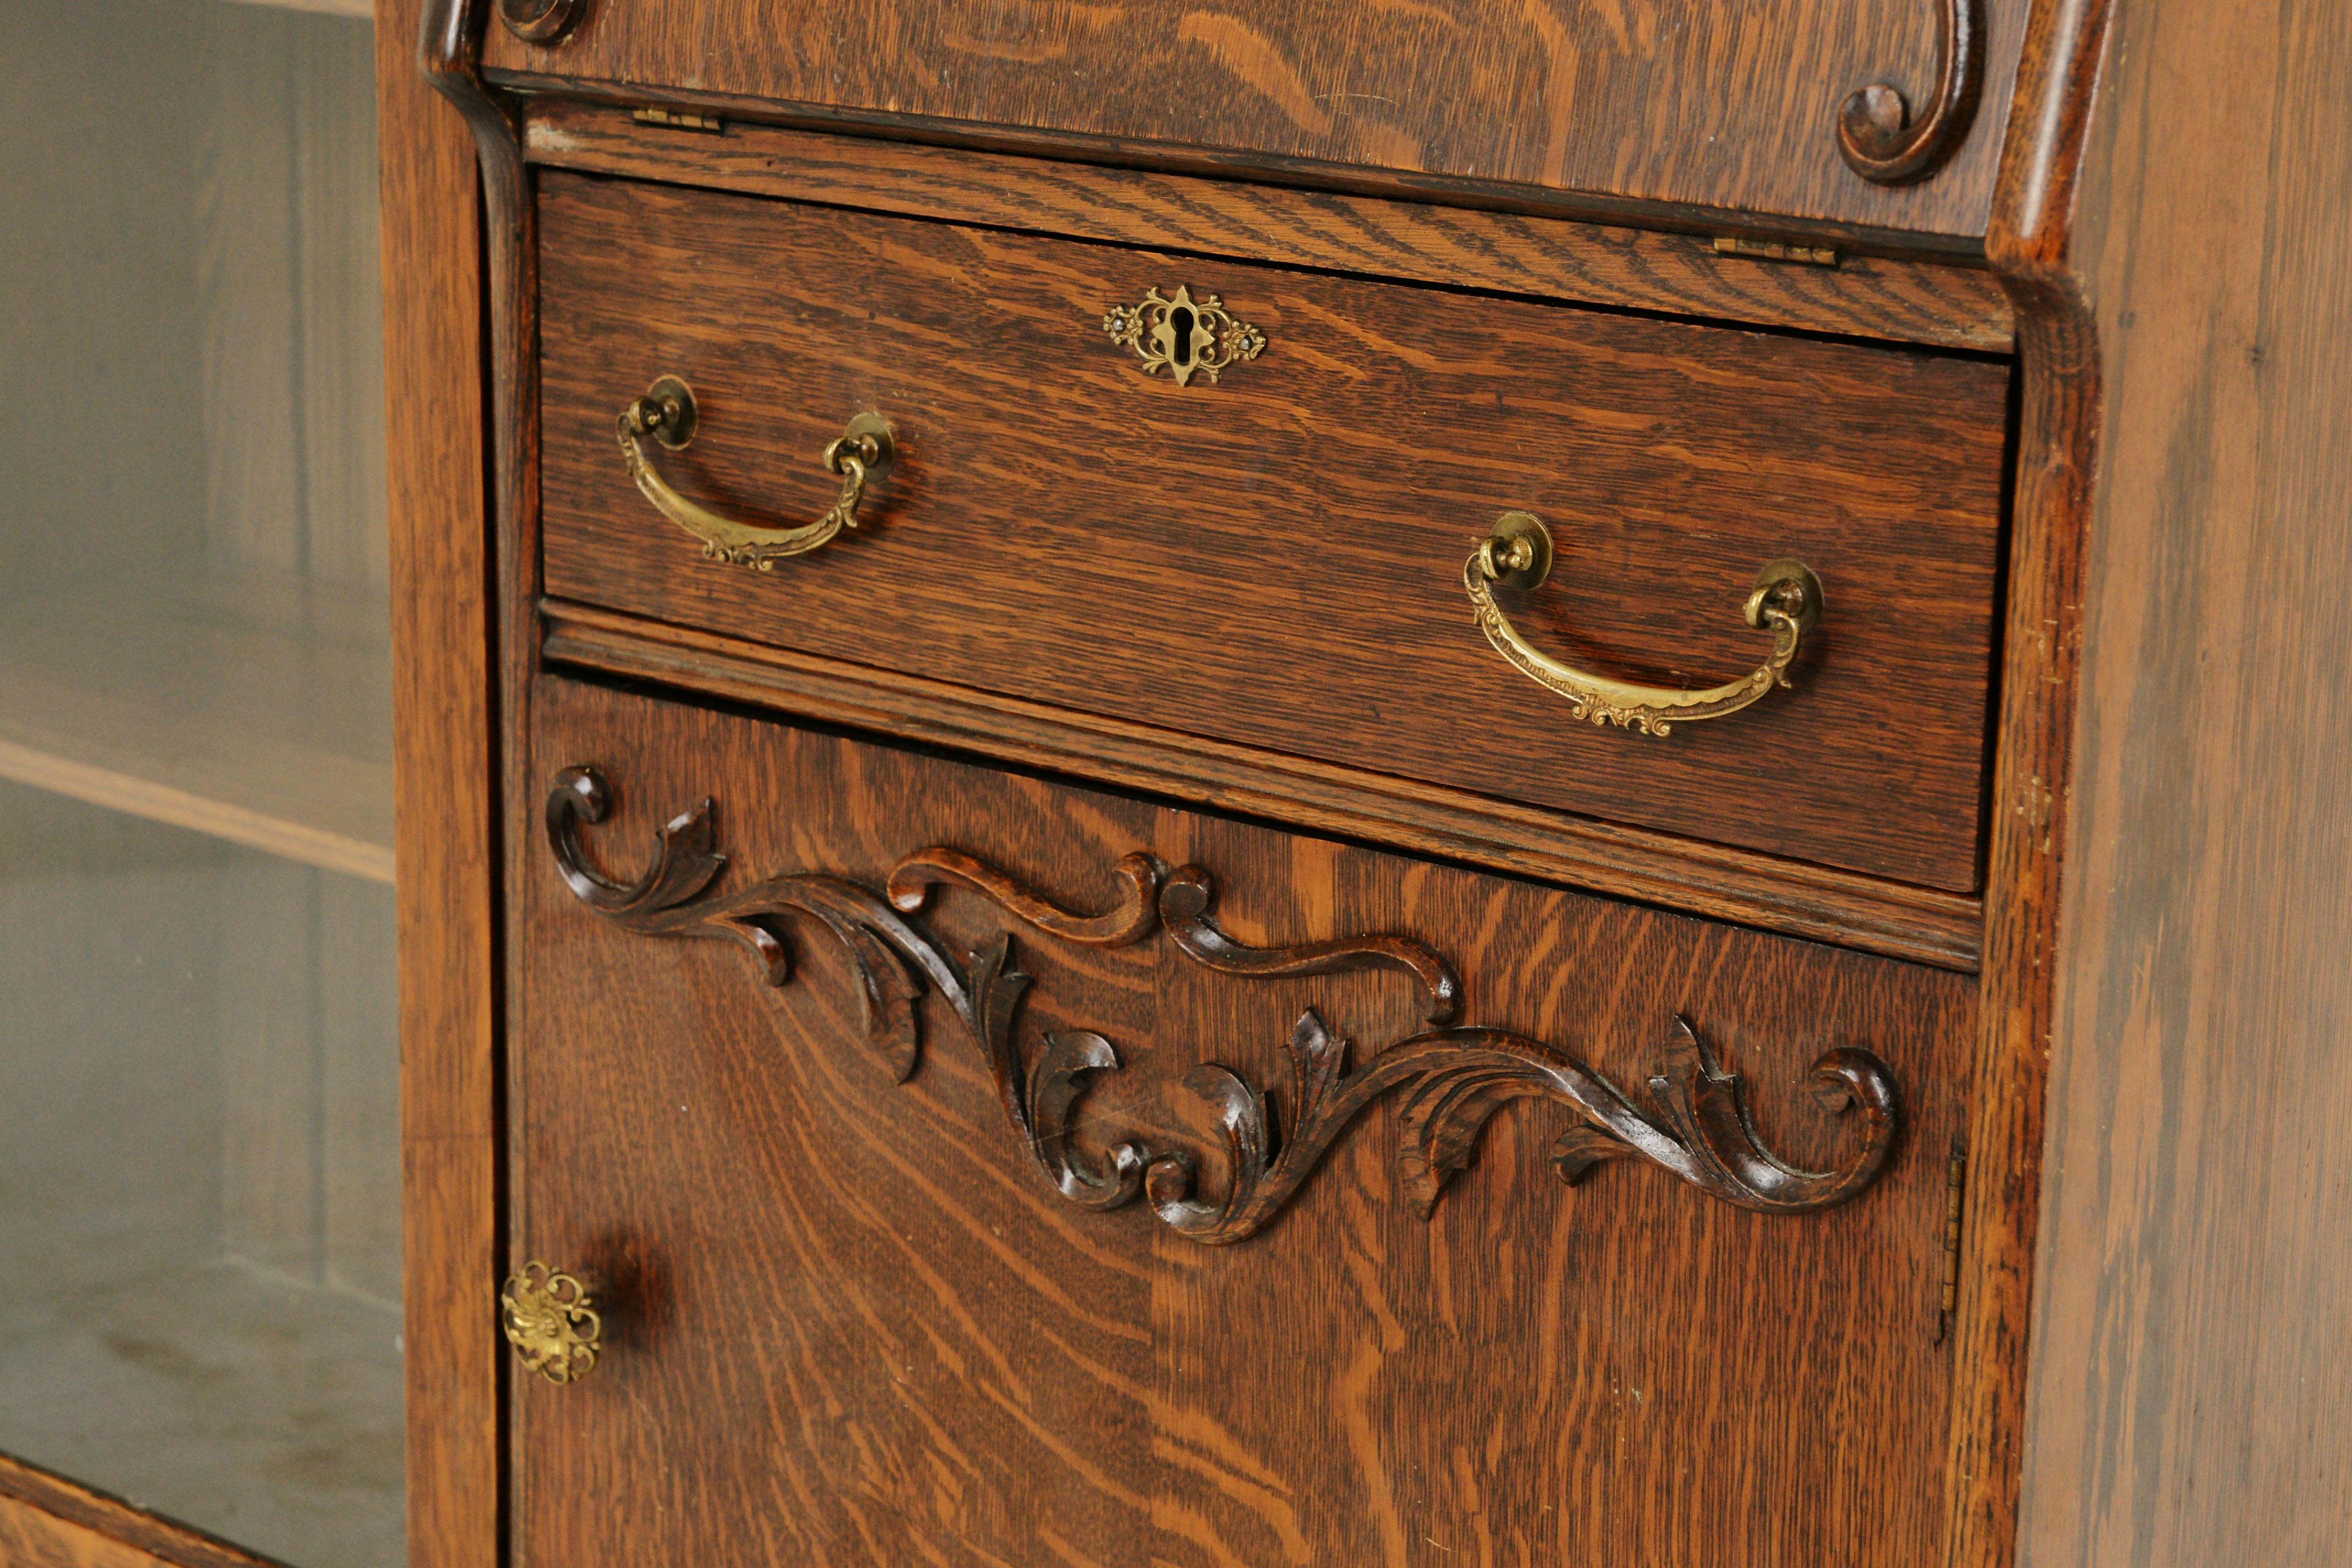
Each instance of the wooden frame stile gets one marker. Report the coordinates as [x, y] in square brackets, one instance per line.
[447, 701]
[2058, 429]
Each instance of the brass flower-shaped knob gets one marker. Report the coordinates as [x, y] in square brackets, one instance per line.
[547, 1319]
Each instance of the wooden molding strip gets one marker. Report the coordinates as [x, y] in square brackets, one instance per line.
[48, 1521]
[1541, 257]
[1740, 885]
[441, 224]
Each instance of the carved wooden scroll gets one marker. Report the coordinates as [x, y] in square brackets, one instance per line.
[1884, 141]
[1448, 1080]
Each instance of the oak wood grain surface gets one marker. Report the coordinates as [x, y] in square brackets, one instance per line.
[445, 831]
[1863, 296]
[1897, 919]
[2191, 1350]
[50, 1521]
[846, 1321]
[1687, 107]
[1277, 559]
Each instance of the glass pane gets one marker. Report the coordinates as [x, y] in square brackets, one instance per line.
[199, 1162]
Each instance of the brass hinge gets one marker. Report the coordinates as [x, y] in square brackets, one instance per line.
[1771, 250]
[1956, 1184]
[678, 119]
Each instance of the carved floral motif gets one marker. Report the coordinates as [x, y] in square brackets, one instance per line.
[1448, 1081]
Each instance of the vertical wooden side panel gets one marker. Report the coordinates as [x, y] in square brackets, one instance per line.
[2191, 1350]
[446, 841]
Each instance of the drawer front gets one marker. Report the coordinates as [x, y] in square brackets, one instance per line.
[1276, 557]
[847, 1317]
[1699, 104]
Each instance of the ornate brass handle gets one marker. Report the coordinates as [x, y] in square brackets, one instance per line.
[861, 453]
[548, 1320]
[1786, 600]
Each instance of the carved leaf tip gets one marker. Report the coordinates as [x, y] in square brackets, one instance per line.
[1057, 1081]
[685, 862]
[1708, 1107]
[1581, 1146]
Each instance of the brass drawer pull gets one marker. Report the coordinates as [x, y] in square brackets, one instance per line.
[548, 1320]
[1786, 600]
[863, 452]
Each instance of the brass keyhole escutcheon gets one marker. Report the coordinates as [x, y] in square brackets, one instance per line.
[1182, 336]
[551, 1322]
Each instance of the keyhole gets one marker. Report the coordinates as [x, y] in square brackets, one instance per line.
[1180, 321]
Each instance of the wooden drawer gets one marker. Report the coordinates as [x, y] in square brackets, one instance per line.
[1276, 558]
[1708, 110]
[850, 1317]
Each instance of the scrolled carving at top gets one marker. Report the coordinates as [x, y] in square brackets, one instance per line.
[1132, 919]
[1878, 134]
[1184, 904]
[542, 21]
[895, 960]
[1448, 1081]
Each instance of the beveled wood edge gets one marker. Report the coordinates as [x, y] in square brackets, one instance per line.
[37, 1496]
[1134, 155]
[437, 229]
[1790, 898]
[2028, 239]
[1549, 259]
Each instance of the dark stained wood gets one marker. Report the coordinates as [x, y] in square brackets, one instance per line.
[1276, 560]
[48, 1521]
[1863, 296]
[1886, 137]
[444, 738]
[541, 21]
[1446, 1082]
[1791, 896]
[1679, 108]
[2191, 1353]
[943, 1359]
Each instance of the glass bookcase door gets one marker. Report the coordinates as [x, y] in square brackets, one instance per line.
[199, 1162]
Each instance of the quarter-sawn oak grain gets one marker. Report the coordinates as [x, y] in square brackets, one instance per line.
[1862, 296]
[1899, 919]
[848, 1320]
[1276, 559]
[1682, 110]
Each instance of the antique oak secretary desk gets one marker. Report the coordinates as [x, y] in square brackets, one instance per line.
[1342, 783]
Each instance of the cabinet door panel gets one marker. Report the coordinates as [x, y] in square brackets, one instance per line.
[847, 1318]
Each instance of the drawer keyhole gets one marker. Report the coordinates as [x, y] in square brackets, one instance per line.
[1180, 321]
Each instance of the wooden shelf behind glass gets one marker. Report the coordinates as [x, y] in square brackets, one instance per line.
[246, 703]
